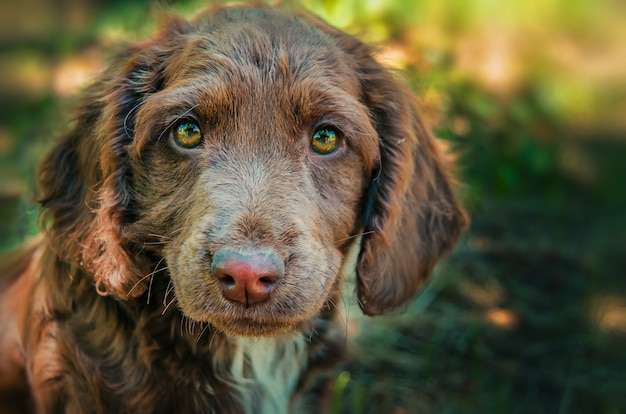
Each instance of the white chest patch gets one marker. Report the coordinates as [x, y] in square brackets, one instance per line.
[266, 371]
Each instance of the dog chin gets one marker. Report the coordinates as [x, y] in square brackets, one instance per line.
[252, 328]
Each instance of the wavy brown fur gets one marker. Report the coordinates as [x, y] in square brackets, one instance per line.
[117, 309]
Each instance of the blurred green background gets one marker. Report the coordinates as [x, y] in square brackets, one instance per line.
[528, 315]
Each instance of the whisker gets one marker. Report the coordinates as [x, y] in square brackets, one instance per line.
[127, 130]
[180, 229]
[211, 340]
[345, 239]
[206, 326]
[186, 326]
[138, 283]
[168, 305]
[168, 290]
[182, 322]
[149, 290]
[176, 120]
[154, 243]
[149, 275]
[152, 278]
[160, 236]
[164, 238]
[157, 270]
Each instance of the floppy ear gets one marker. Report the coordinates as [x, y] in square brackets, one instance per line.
[85, 181]
[412, 216]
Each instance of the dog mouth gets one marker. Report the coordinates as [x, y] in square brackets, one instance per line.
[254, 321]
[254, 326]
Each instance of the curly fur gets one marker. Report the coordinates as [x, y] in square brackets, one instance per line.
[116, 309]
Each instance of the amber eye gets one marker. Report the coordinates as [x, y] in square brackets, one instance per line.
[325, 140]
[188, 135]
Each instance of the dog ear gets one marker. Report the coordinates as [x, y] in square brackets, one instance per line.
[85, 180]
[412, 216]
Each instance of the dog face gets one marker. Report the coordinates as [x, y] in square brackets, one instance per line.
[244, 152]
[281, 152]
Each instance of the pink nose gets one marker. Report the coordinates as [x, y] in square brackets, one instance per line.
[247, 278]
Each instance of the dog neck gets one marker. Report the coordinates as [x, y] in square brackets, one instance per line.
[266, 371]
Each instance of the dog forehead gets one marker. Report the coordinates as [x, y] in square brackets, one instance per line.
[265, 43]
[264, 23]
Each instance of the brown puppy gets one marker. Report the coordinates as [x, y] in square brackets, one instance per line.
[200, 215]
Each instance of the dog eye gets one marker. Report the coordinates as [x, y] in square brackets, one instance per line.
[188, 135]
[325, 140]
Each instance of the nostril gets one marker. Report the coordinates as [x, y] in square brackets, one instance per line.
[267, 280]
[227, 281]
